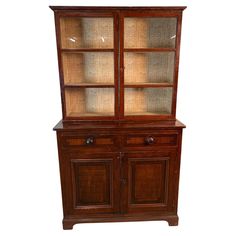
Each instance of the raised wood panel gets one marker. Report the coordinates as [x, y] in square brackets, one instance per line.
[92, 183]
[148, 181]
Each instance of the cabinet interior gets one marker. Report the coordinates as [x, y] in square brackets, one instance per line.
[154, 67]
[148, 101]
[146, 32]
[86, 32]
[88, 68]
[89, 101]
[96, 68]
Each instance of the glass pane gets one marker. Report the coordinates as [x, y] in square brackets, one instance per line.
[88, 67]
[148, 101]
[149, 32]
[149, 67]
[85, 32]
[89, 102]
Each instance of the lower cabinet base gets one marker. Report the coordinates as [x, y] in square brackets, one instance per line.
[119, 173]
[68, 223]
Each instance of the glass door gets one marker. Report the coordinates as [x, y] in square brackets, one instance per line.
[88, 66]
[148, 65]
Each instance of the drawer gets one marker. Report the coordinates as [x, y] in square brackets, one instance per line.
[151, 140]
[88, 141]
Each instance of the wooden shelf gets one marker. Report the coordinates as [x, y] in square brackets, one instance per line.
[129, 85]
[89, 114]
[146, 113]
[149, 49]
[147, 85]
[87, 50]
[89, 85]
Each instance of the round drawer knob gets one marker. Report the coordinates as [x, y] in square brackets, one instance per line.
[89, 140]
[149, 140]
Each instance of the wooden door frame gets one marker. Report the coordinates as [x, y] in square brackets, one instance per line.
[67, 159]
[169, 204]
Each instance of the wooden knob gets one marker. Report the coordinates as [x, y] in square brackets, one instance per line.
[89, 140]
[149, 140]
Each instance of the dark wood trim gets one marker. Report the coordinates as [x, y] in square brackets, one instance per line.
[89, 118]
[177, 171]
[176, 69]
[149, 85]
[121, 68]
[172, 219]
[116, 63]
[149, 49]
[149, 117]
[62, 167]
[79, 50]
[119, 125]
[89, 85]
[66, 8]
[155, 13]
[84, 13]
[60, 65]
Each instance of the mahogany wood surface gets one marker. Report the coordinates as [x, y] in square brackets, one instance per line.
[119, 168]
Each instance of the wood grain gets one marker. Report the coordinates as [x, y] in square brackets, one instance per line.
[119, 142]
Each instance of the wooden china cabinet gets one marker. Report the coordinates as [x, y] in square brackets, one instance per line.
[119, 142]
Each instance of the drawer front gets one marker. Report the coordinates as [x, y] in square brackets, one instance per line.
[93, 141]
[150, 140]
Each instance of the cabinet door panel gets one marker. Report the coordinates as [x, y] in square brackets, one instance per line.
[150, 181]
[91, 183]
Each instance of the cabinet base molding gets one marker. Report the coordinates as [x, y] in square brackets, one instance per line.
[68, 223]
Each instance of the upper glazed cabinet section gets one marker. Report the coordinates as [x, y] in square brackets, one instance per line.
[86, 32]
[150, 32]
[118, 63]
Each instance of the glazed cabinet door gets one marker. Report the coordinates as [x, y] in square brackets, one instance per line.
[90, 183]
[149, 47]
[88, 62]
[148, 182]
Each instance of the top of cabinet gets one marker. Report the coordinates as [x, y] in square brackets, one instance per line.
[55, 8]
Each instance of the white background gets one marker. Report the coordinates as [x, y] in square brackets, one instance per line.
[30, 198]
